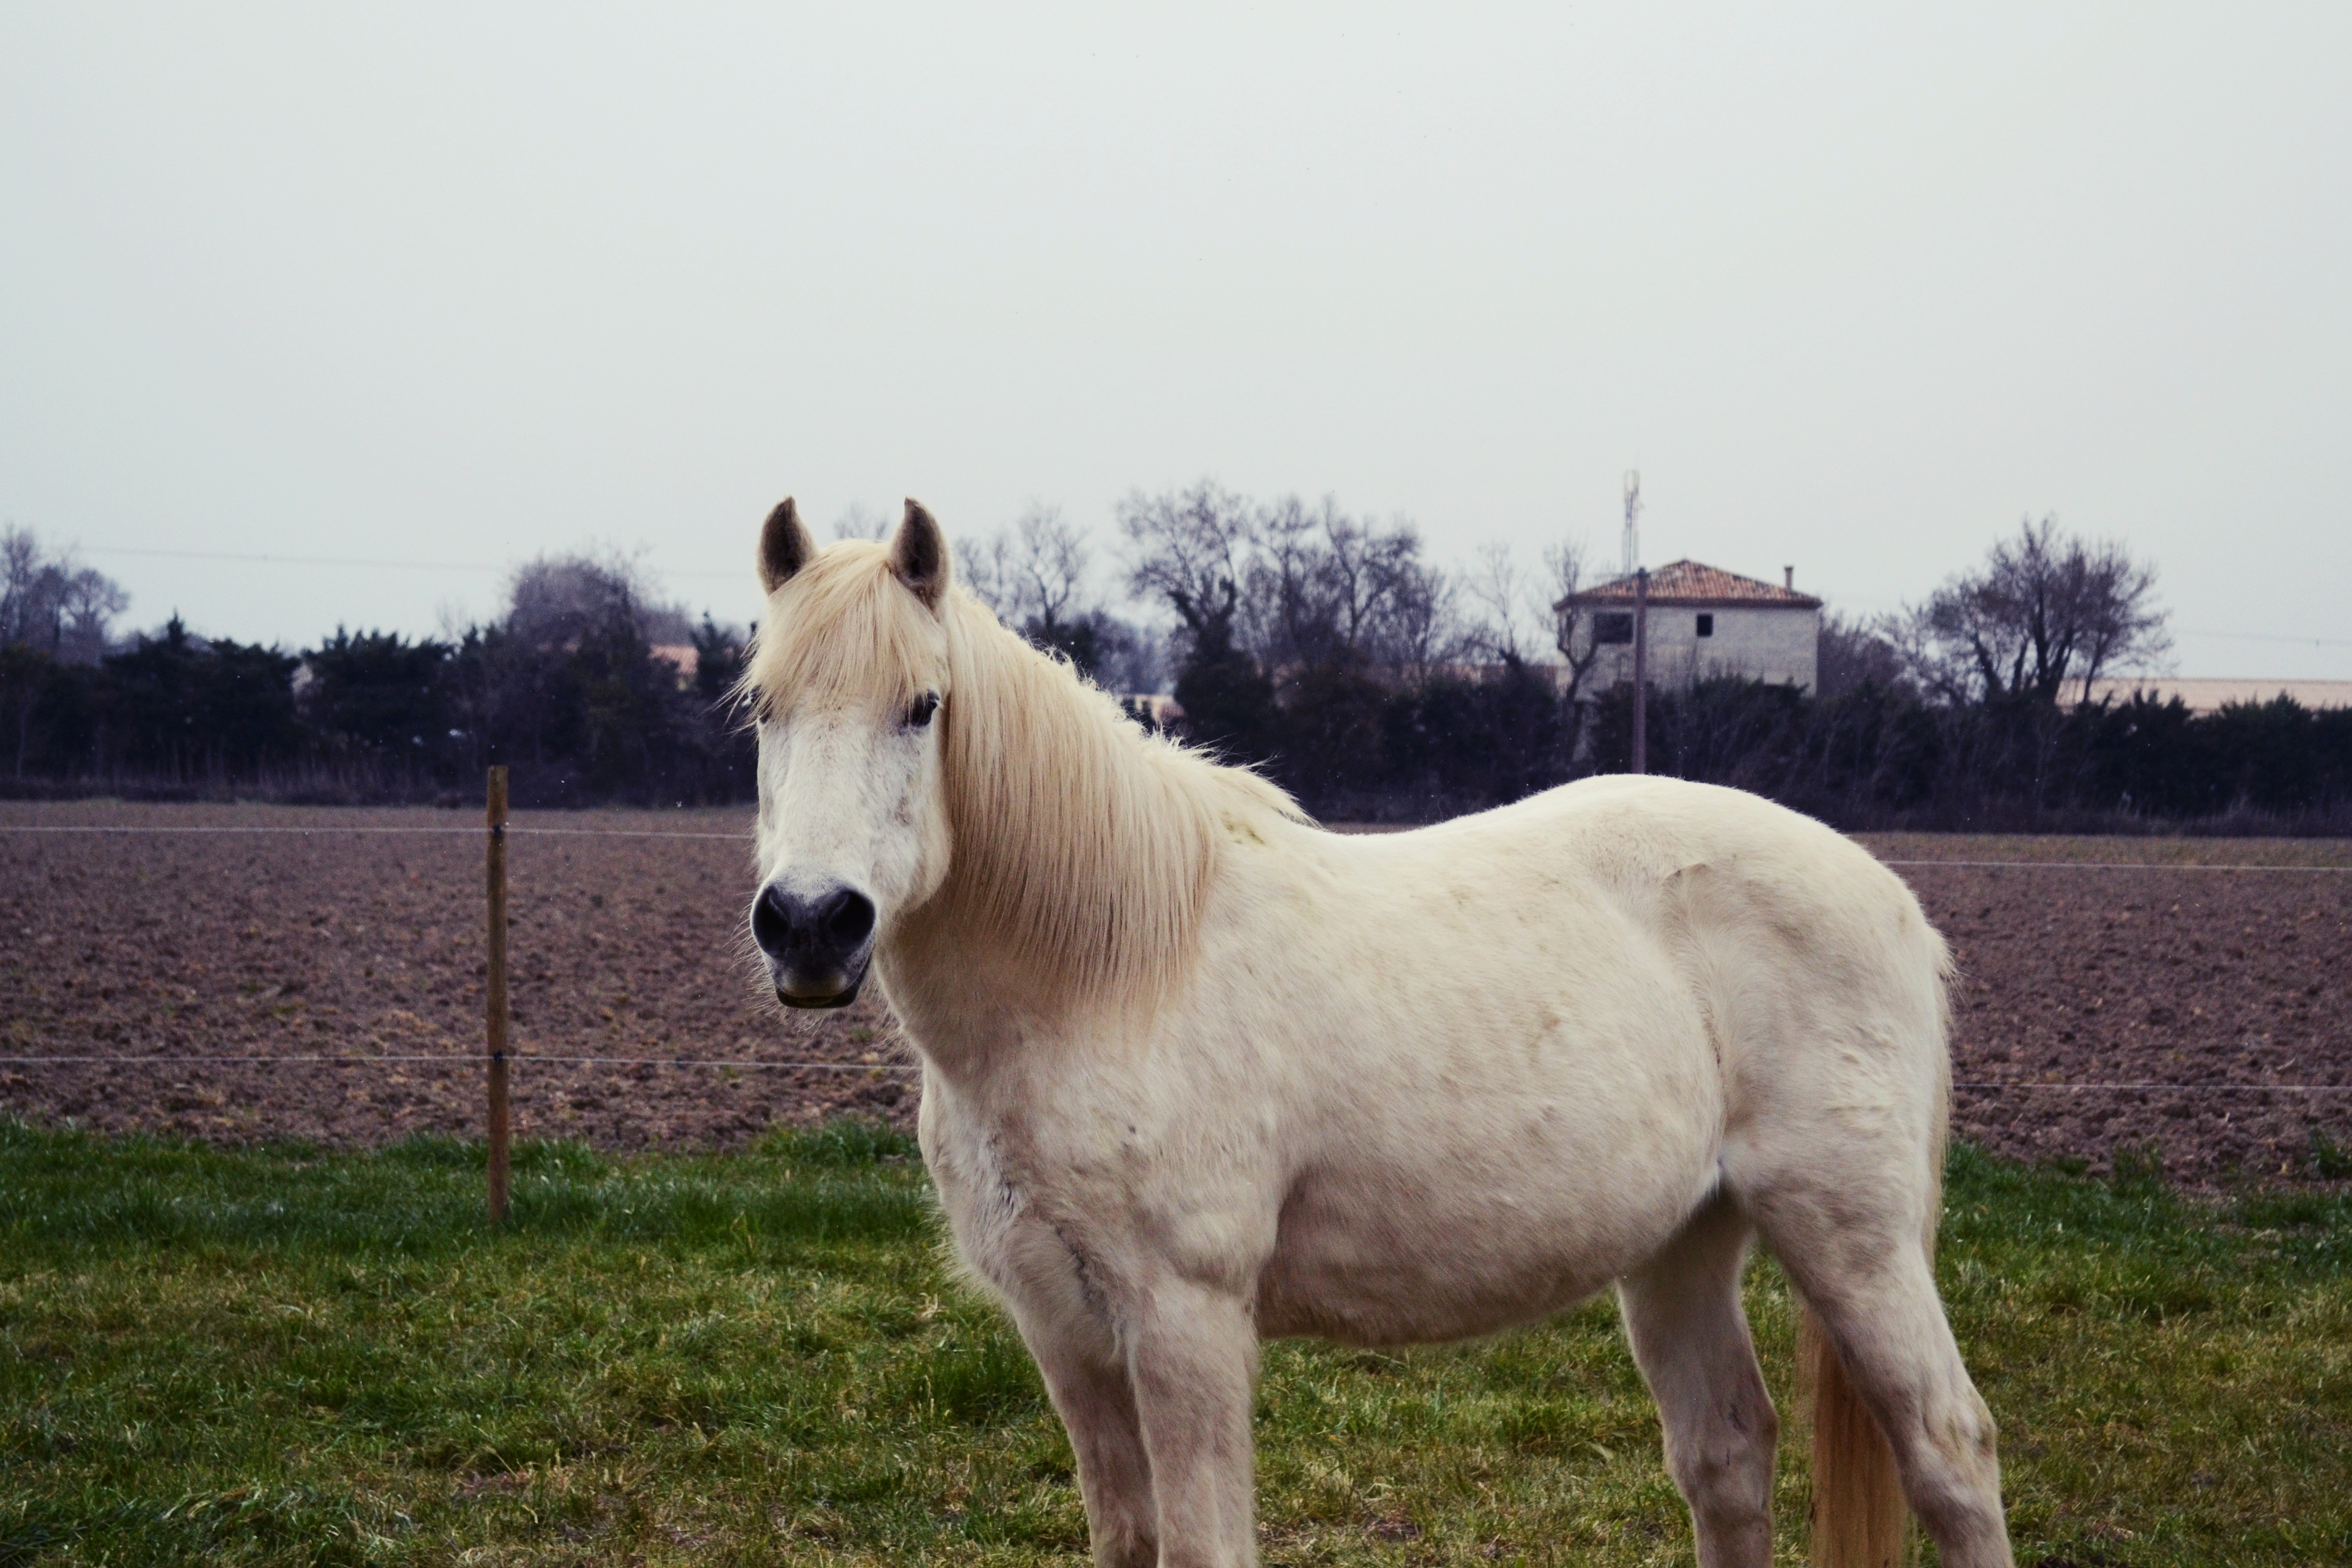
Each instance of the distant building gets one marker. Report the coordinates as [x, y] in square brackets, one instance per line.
[1155, 709]
[1703, 621]
[683, 657]
[2205, 696]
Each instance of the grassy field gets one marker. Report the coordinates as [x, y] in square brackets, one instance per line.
[289, 1357]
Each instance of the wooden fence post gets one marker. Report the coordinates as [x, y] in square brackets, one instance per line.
[494, 994]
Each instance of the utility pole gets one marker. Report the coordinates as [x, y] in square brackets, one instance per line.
[1641, 670]
[1641, 575]
[1632, 520]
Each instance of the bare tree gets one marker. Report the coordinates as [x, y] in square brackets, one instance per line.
[2044, 609]
[1036, 574]
[1571, 624]
[1190, 549]
[1294, 586]
[54, 604]
[1851, 652]
[1281, 611]
[1419, 628]
[983, 564]
[1324, 588]
[89, 600]
[858, 521]
[555, 600]
[1380, 598]
[21, 567]
[1049, 561]
[2123, 625]
[1511, 606]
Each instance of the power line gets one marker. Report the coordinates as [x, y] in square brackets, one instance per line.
[294, 560]
[347, 560]
[2267, 636]
[1632, 504]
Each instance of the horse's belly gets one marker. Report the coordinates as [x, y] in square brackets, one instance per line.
[1368, 1265]
[1373, 1301]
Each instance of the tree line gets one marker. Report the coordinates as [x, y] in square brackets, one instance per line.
[588, 687]
[1324, 648]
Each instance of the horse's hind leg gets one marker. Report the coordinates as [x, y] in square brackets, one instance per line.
[1858, 1254]
[1682, 1313]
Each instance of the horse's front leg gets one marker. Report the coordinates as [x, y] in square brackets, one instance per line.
[1088, 1380]
[1192, 1356]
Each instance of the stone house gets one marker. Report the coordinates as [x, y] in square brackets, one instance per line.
[1703, 621]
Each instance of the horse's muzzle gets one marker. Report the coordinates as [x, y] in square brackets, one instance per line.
[817, 944]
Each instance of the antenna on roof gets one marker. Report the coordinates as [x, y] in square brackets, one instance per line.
[1632, 520]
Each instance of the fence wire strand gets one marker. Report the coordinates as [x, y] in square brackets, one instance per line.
[2109, 865]
[745, 837]
[362, 828]
[525, 1057]
[518, 1058]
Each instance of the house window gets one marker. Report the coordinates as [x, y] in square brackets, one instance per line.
[1706, 626]
[1612, 626]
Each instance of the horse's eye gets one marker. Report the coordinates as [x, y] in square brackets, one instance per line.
[924, 706]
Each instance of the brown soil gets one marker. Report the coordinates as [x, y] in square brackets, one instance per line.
[351, 945]
[2189, 978]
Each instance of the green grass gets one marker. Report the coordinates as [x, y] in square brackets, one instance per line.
[284, 1356]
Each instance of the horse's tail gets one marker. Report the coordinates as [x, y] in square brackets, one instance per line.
[1859, 1517]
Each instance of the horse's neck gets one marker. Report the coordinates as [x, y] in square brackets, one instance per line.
[1081, 852]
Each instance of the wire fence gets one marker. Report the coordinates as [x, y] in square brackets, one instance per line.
[445, 1059]
[453, 1058]
[160, 829]
[2114, 866]
[361, 827]
[745, 837]
[496, 830]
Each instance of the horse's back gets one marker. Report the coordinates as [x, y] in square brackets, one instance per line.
[1710, 873]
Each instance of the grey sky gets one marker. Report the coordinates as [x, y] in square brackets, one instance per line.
[1855, 288]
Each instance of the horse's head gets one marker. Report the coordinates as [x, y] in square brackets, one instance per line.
[848, 678]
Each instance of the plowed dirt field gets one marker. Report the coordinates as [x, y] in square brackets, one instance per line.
[312, 939]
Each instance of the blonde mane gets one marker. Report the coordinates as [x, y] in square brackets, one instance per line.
[839, 632]
[1085, 847]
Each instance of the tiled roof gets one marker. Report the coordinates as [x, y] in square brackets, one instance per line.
[1687, 583]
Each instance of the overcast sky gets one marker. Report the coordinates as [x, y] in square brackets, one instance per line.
[1856, 288]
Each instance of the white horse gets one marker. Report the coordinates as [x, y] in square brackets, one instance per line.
[1196, 1072]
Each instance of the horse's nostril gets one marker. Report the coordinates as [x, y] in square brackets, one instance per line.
[771, 922]
[848, 919]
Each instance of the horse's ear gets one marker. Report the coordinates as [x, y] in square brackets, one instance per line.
[785, 545]
[918, 555]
